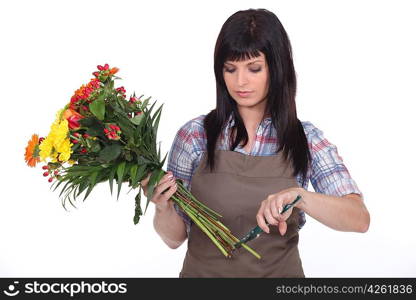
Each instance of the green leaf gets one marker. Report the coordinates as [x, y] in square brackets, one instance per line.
[110, 152]
[163, 161]
[140, 175]
[137, 119]
[111, 178]
[95, 147]
[138, 210]
[97, 107]
[82, 186]
[128, 156]
[146, 102]
[75, 147]
[127, 128]
[94, 126]
[120, 175]
[93, 181]
[87, 122]
[157, 119]
[133, 171]
[153, 181]
[149, 112]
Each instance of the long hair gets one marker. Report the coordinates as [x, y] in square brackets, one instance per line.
[243, 36]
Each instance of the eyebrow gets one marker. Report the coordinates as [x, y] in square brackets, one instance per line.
[247, 64]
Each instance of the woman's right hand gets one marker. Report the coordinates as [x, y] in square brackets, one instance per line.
[163, 191]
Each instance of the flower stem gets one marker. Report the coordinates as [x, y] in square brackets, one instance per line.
[204, 229]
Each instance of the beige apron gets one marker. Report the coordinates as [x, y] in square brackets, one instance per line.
[235, 190]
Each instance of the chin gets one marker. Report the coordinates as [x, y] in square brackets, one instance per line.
[247, 102]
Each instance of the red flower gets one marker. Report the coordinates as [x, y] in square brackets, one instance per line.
[121, 90]
[114, 127]
[73, 122]
[113, 136]
[73, 118]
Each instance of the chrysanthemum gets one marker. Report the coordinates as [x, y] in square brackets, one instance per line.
[57, 144]
[32, 151]
[45, 148]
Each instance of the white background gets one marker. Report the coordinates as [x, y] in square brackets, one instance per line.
[355, 62]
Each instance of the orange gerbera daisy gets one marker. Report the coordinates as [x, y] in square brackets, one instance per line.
[113, 71]
[32, 151]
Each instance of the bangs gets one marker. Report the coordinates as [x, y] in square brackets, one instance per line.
[237, 54]
[240, 51]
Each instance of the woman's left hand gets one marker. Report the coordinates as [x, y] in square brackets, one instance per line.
[271, 207]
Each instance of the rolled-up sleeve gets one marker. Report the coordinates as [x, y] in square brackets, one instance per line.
[181, 160]
[329, 175]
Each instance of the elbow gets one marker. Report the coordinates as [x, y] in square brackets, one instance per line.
[365, 222]
[174, 244]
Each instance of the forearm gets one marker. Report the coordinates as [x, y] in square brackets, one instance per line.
[170, 226]
[347, 213]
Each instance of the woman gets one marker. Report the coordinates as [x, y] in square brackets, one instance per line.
[250, 156]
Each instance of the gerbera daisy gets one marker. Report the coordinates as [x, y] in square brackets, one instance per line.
[32, 151]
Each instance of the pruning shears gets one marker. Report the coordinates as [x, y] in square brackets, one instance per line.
[256, 231]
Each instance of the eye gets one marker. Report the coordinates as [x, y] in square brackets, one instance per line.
[255, 70]
[228, 70]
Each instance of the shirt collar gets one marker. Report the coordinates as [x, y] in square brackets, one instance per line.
[263, 124]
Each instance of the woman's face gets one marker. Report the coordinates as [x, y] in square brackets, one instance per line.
[247, 81]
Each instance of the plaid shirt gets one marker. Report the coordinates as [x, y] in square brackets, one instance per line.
[327, 173]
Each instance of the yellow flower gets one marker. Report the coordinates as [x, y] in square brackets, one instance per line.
[45, 148]
[64, 148]
[57, 144]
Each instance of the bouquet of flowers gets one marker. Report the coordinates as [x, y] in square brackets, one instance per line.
[100, 136]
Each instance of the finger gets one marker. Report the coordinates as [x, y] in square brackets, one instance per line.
[168, 176]
[282, 227]
[260, 219]
[162, 187]
[268, 215]
[285, 215]
[274, 208]
[172, 190]
[164, 200]
[145, 181]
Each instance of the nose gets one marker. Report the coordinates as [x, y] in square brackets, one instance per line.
[241, 78]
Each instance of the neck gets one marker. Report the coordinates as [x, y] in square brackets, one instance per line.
[252, 116]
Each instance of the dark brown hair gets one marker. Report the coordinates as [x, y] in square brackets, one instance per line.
[244, 35]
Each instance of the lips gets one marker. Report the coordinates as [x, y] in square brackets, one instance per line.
[243, 93]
